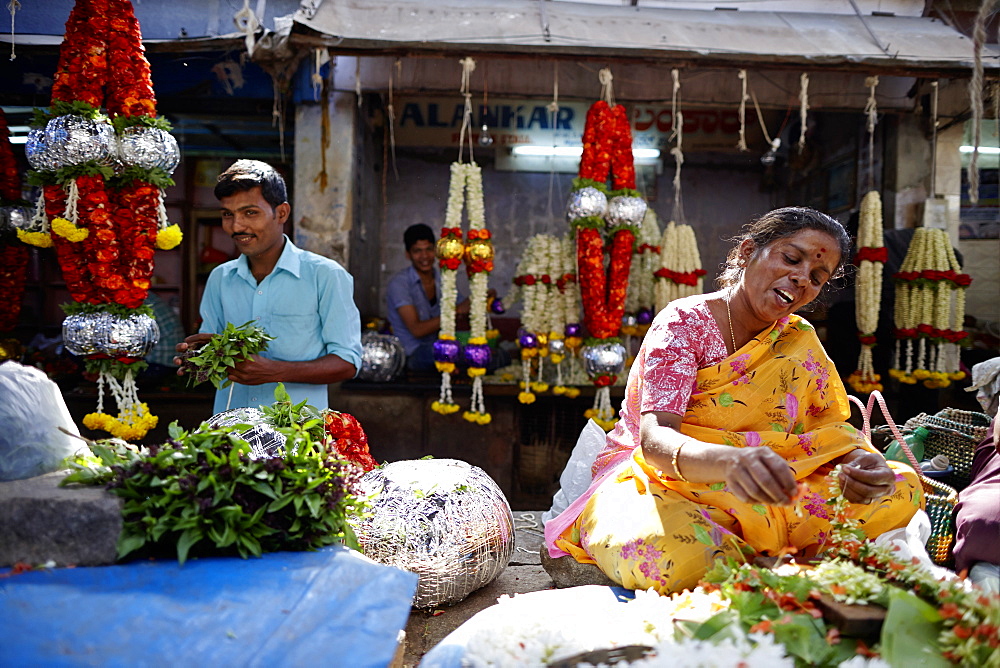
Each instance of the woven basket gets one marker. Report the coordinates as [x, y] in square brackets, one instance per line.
[940, 498]
[955, 434]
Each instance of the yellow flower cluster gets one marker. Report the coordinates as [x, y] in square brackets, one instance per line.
[39, 239]
[67, 230]
[594, 414]
[128, 426]
[444, 408]
[866, 384]
[569, 392]
[931, 379]
[477, 418]
[169, 237]
[526, 397]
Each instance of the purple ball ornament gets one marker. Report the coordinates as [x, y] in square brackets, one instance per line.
[528, 340]
[497, 307]
[573, 329]
[644, 316]
[477, 355]
[446, 350]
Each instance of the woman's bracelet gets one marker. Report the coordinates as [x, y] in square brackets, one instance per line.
[673, 461]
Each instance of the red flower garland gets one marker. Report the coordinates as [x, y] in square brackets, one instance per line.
[680, 277]
[607, 151]
[13, 255]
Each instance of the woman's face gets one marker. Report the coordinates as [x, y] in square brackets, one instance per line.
[788, 273]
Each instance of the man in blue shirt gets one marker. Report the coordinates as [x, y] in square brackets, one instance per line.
[412, 300]
[303, 300]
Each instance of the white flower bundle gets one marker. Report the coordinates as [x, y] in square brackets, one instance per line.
[645, 262]
[679, 259]
[868, 289]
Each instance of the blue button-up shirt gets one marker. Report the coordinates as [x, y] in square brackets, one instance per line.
[306, 303]
[405, 288]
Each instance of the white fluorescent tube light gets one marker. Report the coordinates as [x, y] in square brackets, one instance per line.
[982, 149]
[575, 151]
[21, 139]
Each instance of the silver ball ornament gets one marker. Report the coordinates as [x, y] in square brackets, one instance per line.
[382, 357]
[77, 139]
[105, 334]
[586, 202]
[148, 148]
[603, 359]
[623, 210]
[443, 519]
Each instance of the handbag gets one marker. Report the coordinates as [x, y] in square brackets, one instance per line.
[955, 434]
[940, 499]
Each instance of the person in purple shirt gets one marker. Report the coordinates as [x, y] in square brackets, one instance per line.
[413, 299]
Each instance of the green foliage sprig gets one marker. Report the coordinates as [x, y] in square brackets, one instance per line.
[234, 344]
[81, 308]
[41, 116]
[155, 176]
[97, 468]
[123, 122]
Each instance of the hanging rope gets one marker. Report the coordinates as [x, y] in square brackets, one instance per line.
[871, 111]
[742, 143]
[934, 126]
[976, 96]
[357, 80]
[468, 67]
[392, 118]
[803, 109]
[12, 7]
[607, 90]
[678, 150]
[776, 142]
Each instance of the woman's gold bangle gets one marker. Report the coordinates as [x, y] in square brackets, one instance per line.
[673, 462]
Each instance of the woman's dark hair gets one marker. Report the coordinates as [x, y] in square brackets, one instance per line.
[779, 224]
[249, 174]
[415, 233]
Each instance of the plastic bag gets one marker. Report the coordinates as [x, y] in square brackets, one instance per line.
[576, 477]
[31, 411]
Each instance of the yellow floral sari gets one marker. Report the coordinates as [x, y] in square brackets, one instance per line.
[646, 530]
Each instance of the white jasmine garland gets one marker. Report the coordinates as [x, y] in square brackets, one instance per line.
[645, 261]
[868, 291]
[679, 254]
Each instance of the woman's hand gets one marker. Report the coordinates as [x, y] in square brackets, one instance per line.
[865, 477]
[760, 475]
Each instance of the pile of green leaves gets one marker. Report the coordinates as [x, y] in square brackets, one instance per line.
[201, 494]
[234, 344]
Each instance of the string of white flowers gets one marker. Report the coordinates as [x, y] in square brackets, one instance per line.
[645, 261]
[679, 256]
[868, 291]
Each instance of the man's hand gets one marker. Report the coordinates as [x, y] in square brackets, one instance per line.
[255, 370]
[865, 477]
[188, 347]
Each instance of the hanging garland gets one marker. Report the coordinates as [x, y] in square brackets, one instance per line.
[870, 258]
[105, 217]
[680, 273]
[928, 322]
[545, 282]
[466, 178]
[592, 212]
[13, 255]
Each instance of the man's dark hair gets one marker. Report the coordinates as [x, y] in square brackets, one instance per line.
[415, 233]
[249, 174]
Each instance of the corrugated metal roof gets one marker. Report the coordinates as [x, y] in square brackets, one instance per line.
[896, 43]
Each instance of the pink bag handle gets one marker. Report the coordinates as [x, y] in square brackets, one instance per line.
[866, 413]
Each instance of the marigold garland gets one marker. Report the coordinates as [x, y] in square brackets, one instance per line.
[607, 155]
[104, 226]
[870, 258]
[925, 315]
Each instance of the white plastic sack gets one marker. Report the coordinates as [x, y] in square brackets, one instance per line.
[31, 411]
[910, 541]
[576, 477]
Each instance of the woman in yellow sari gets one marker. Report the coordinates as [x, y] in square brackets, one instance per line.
[733, 417]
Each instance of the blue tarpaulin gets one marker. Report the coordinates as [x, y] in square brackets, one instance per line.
[332, 607]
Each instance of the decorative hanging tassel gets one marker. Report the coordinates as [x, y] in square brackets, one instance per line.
[803, 109]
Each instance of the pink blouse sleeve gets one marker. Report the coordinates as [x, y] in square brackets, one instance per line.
[683, 341]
